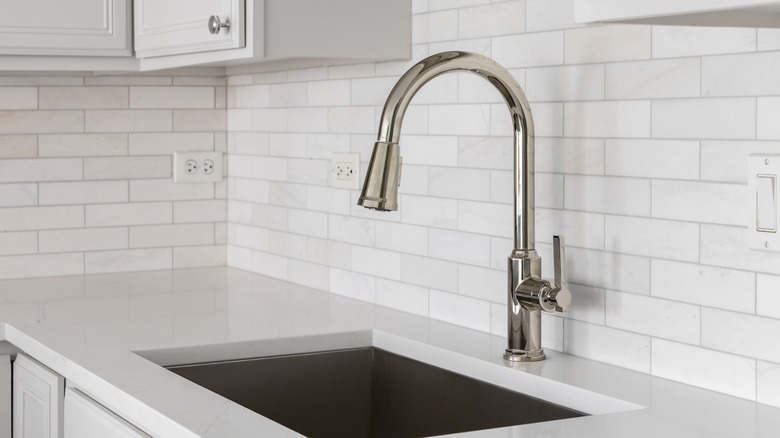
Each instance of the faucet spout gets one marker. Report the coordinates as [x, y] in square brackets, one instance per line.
[375, 193]
[528, 294]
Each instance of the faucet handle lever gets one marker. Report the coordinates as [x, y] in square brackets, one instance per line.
[559, 258]
[557, 298]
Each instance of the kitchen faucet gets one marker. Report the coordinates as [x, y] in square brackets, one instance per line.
[528, 293]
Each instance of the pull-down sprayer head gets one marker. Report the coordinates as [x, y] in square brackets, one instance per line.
[380, 190]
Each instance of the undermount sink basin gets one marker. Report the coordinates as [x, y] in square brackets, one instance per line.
[367, 392]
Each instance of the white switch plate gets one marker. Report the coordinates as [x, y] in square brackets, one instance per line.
[197, 167]
[345, 171]
[763, 206]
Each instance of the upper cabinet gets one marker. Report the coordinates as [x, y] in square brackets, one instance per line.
[737, 13]
[274, 33]
[66, 28]
[173, 27]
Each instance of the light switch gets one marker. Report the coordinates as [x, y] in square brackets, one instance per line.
[766, 203]
[763, 177]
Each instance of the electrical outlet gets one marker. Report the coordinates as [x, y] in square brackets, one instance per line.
[345, 171]
[197, 167]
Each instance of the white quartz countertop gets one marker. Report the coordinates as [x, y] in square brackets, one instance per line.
[102, 331]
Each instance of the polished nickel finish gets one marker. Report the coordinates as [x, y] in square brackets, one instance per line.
[528, 293]
[215, 25]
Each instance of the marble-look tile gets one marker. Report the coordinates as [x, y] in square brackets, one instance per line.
[704, 118]
[655, 317]
[83, 97]
[629, 196]
[704, 285]
[529, 50]
[86, 192]
[18, 195]
[610, 345]
[41, 122]
[705, 368]
[496, 19]
[652, 237]
[41, 265]
[101, 262]
[88, 239]
[628, 118]
[565, 83]
[614, 43]
[19, 98]
[676, 41]
[650, 158]
[655, 79]
[171, 97]
[740, 333]
[459, 247]
[460, 310]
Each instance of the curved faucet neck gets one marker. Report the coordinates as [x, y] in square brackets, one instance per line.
[519, 109]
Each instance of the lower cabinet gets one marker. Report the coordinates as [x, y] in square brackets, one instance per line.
[38, 394]
[85, 418]
[39, 406]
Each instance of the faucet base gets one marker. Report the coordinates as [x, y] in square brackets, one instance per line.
[523, 355]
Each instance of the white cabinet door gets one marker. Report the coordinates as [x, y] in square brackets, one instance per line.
[85, 418]
[174, 27]
[37, 400]
[73, 27]
[5, 396]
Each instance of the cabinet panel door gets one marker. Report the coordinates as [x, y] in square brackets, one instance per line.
[37, 400]
[174, 27]
[85, 418]
[73, 27]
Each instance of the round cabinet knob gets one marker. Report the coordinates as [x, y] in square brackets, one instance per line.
[215, 25]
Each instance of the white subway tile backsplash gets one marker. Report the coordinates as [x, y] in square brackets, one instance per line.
[114, 168]
[149, 259]
[18, 98]
[676, 41]
[403, 238]
[448, 182]
[83, 97]
[172, 97]
[485, 218]
[151, 236]
[564, 83]
[726, 246]
[768, 383]
[656, 317]
[495, 19]
[352, 284]
[739, 333]
[705, 368]
[652, 237]
[427, 211]
[376, 262]
[768, 110]
[402, 296]
[549, 14]
[41, 265]
[18, 146]
[767, 295]
[607, 195]
[613, 346]
[93, 192]
[82, 145]
[607, 44]
[188, 120]
[483, 283]
[704, 118]
[18, 195]
[654, 79]
[649, 158]
[581, 229]
[459, 247]
[630, 118]
[704, 285]
[428, 272]
[435, 26]
[700, 202]
[468, 312]
[529, 49]
[127, 121]
[718, 73]
[88, 239]
[41, 122]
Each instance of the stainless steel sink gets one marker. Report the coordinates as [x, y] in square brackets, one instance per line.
[367, 392]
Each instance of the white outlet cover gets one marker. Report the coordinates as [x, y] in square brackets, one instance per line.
[345, 170]
[202, 174]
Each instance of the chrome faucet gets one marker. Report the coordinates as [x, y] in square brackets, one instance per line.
[528, 293]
